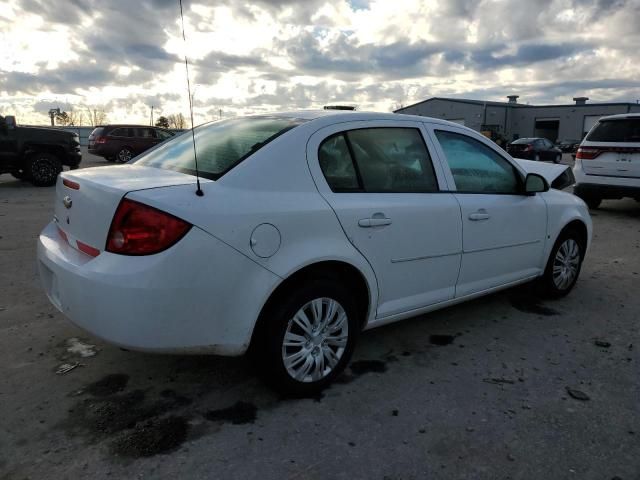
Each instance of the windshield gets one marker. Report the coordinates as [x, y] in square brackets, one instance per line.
[622, 130]
[219, 145]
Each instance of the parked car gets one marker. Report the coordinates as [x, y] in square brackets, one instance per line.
[535, 149]
[310, 227]
[120, 143]
[568, 145]
[608, 161]
[36, 154]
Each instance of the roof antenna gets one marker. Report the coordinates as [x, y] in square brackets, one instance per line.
[199, 191]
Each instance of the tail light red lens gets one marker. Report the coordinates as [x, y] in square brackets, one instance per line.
[138, 229]
[587, 153]
[101, 139]
[528, 148]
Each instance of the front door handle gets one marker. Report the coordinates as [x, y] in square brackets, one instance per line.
[376, 220]
[479, 215]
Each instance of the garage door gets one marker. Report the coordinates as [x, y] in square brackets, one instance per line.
[589, 121]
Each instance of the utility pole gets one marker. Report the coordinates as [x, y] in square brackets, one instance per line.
[151, 115]
[220, 113]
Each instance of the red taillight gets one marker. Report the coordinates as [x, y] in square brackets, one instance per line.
[587, 153]
[138, 229]
[101, 140]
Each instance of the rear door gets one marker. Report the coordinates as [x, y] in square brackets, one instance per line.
[612, 148]
[391, 200]
[145, 138]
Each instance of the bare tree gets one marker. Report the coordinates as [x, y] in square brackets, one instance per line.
[96, 117]
[177, 121]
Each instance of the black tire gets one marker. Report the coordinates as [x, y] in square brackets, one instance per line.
[551, 285]
[124, 155]
[43, 169]
[536, 158]
[558, 158]
[592, 202]
[268, 349]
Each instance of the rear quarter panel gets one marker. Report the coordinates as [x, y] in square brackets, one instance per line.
[274, 186]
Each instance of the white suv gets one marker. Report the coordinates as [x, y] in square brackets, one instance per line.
[608, 160]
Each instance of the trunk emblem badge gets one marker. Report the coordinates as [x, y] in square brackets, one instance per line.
[67, 202]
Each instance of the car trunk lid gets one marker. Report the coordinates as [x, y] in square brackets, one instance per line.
[610, 160]
[87, 199]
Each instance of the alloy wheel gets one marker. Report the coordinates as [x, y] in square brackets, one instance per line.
[124, 155]
[315, 340]
[566, 264]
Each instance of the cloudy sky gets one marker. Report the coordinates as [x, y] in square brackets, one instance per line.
[122, 56]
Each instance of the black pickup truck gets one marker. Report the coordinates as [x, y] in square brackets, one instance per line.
[36, 154]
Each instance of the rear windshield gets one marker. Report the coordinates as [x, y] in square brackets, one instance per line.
[219, 145]
[623, 130]
[97, 131]
[520, 141]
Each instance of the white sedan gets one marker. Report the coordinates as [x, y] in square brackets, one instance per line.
[311, 227]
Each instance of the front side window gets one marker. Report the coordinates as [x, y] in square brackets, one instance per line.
[475, 167]
[219, 145]
[144, 132]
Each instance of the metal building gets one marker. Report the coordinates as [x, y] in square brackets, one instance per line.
[511, 120]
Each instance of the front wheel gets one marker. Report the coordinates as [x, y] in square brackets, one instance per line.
[308, 338]
[558, 158]
[536, 157]
[564, 264]
[43, 169]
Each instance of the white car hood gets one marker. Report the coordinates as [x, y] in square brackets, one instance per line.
[558, 176]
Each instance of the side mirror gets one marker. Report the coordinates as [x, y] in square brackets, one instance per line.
[10, 122]
[535, 183]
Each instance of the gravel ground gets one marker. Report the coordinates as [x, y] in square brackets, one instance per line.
[508, 386]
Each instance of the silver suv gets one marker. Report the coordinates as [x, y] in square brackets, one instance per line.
[608, 160]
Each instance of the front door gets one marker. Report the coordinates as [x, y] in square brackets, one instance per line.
[381, 182]
[503, 229]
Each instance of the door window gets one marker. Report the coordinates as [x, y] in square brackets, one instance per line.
[144, 132]
[162, 134]
[122, 132]
[383, 160]
[475, 167]
[336, 164]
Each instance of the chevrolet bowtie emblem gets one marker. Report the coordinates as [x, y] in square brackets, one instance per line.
[67, 202]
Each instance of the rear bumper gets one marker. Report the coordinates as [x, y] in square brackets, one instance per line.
[199, 296]
[73, 159]
[604, 187]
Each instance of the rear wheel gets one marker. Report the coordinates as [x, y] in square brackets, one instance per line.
[124, 155]
[307, 339]
[558, 158]
[43, 169]
[564, 264]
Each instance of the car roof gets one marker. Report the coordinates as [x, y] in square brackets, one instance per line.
[331, 116]
[620, 116]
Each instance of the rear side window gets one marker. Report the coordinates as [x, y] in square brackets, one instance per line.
[383, 160]
[475, 167]
[622, 130]
[337, 165]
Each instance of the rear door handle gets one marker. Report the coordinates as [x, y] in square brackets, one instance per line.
[479, 215]
[374, 221]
